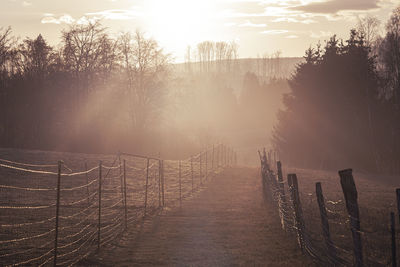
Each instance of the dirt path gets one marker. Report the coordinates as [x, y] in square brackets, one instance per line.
[225, 224]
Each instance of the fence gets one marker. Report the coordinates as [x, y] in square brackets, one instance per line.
[318, 240]
[51, 215]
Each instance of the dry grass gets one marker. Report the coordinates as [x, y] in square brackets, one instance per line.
[376, 198]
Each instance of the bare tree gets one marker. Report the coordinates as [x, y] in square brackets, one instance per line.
[146, 68]
[369, 28]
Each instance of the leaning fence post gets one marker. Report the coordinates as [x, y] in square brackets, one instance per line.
[99, 217]
[350, 194]
[125, 204]
[147, 184]
[57, 211]
[298, 214]
[393, 232]
[324, 222]
[180, 184]
[282, 197]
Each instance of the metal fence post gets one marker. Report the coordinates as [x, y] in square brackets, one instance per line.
[163, 182]
[212, 161]
[159, 183]
[325, 223]
[180, 184]
[125, 203]
[282, 197]
[147, 184]
[57, 212]
[206, 165]
[99, 217]
[201, 181]
[191, 170]
[298, 213]
[87, 182]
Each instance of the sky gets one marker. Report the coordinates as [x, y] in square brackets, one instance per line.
[259, 27]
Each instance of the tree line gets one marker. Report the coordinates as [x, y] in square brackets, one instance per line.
[76, 95]
[343, 105]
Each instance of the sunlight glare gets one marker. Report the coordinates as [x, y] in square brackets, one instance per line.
[178, 23]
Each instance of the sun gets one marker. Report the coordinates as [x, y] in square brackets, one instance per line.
[179, 23]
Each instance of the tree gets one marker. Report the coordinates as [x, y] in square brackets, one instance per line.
[329, 111]
[369, 27]
[146, 68]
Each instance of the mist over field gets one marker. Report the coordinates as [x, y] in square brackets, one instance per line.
[135, 133]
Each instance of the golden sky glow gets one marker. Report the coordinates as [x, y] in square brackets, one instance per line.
[258, 26]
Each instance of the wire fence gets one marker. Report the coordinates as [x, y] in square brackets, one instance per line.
[51, 214]
[338, 239]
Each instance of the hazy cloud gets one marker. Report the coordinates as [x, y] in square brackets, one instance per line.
[250, 24]
[294, 20]
[116, 14]
[334, 6]
[274, 32]
[321, 34]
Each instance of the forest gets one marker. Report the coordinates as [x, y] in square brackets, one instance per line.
[343, 105]
[98, 92]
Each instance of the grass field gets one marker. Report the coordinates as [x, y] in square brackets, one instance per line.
[28, 198]
[376, 198]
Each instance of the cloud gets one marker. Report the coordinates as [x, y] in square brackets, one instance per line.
[51, 19]
[250, 24]
[294, 20]
[116, 14]
[66, 19]
[321, 34]
[274, 32]
[292, 36]
[335, 6]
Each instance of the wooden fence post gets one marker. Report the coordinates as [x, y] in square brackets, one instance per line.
[57, 212]
[350, 194]
[298, 213]
[180, 184]
[147, 184]
[393, 232]
[99, 217]
[282, 198]
[125, 203]
[324, 222]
